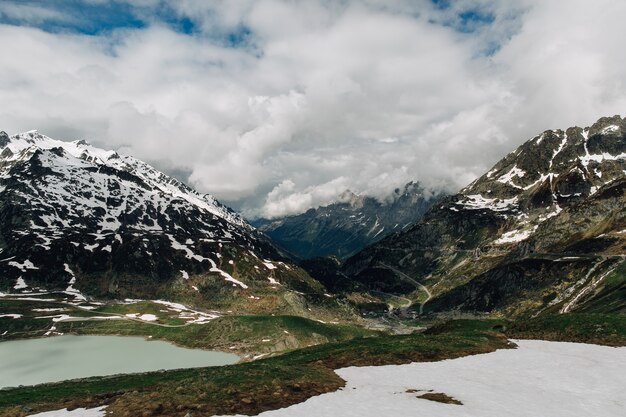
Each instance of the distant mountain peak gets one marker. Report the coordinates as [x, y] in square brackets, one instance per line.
[355, 221]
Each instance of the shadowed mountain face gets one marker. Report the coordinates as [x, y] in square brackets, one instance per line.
[77, 218]
[342, 229]
[544, 230]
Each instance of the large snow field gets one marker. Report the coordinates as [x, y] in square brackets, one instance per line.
[537, 379]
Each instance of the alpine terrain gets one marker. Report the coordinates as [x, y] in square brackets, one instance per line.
[341, 229]
[543, 231]
[87, 222]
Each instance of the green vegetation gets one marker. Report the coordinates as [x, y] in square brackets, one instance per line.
[230, 333]
[233, 333]
[294, 372]
[249, 387]
[602, 329]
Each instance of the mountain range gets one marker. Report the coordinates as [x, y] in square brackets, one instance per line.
[543, 231]
[343, 228]
[88, 222]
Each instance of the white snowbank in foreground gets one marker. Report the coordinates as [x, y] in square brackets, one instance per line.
[79, 412]
[537, 379]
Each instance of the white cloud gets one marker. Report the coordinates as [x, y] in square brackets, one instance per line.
[321, 96]
[30, 13]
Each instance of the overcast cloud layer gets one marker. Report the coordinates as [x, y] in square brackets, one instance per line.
[278, 106]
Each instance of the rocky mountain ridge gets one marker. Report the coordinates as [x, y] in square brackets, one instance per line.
[81, 220]
[544, 230]
[341, 229]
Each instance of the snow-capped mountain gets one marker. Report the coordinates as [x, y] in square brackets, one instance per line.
[545, 229]
[74, 217]
[341, 229]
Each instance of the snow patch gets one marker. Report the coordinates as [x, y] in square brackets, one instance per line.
[269, 265]
[20, 284]
[514, 172]
[610, 129]
[70, 290]
[559, 149]
[513, 236]
[25, 266]
[477, 201]
[147, 317]
[78, 412]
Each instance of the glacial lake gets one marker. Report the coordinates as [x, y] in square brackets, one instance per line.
[35, 361]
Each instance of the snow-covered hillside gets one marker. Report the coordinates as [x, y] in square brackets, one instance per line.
[69, 158]
[75, 217]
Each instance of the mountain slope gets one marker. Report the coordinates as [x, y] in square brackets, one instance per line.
[78, 219]
[342, 229]
[544, 230]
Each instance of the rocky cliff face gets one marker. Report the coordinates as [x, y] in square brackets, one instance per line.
[78, 219]
[544, 230]
[342, 229]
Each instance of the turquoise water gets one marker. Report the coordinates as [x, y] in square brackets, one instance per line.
[34, 361]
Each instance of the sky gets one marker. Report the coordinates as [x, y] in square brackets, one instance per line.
[278, 106]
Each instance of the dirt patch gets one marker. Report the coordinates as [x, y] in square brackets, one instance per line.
[439, 397]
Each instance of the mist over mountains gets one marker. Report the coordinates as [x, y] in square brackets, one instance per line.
[343, 228]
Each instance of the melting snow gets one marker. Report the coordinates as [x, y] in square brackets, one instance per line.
[26, 265]
[273, 281]
[559, 149]
[601, 157]
[144, 317]
[70, 290]
[78, 412]
[537, 379]
[514, 172]
[539, 139]
[477, 201]
[13, 316]
[227, 276]
[148, 317]
[610, 129]
[490, 173]
[193, 316]
[91, 247]
[513, 236]
[268, 265]
[20, 284]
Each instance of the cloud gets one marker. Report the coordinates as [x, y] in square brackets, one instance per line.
[30, 13]
[277, 106]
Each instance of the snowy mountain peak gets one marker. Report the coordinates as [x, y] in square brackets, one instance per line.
[347, 226]
[79, 154]
[118, 224]
[554, 169]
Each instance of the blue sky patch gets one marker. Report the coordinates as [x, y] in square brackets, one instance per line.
[70, 16]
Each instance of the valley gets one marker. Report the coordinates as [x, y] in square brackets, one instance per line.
[98, 244]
